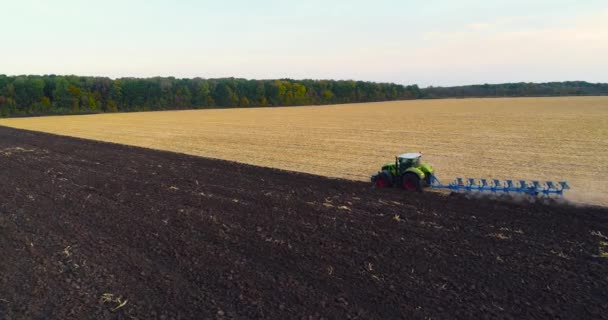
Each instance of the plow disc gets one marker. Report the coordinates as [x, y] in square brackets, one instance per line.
[532, 188]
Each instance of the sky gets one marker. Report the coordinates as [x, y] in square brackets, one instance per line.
[434, 42]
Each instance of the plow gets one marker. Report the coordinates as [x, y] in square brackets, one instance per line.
[409, 173]
[531, 188]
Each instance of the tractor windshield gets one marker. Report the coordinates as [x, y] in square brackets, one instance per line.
[406, 163]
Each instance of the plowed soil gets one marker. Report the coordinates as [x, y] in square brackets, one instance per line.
[168, 236]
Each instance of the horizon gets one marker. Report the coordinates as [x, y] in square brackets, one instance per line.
[442, 44]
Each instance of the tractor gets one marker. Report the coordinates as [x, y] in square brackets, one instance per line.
[407, 172]
[410, 174]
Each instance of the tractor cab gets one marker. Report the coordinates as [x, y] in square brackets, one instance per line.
[407, 160]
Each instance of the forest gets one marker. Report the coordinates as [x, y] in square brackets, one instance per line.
[50, 94]
[43, 95]
[522, 89]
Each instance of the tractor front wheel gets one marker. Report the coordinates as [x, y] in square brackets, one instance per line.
[411, 182]
[382, 181]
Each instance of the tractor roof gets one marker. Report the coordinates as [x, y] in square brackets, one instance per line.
[413, 155]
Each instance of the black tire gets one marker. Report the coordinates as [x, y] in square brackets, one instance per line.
[382, 181]
[411, 182]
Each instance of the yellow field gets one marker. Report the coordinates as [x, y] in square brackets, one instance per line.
[527, 138]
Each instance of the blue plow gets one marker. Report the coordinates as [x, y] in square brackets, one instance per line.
[532, 188]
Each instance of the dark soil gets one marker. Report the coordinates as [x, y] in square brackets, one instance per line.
[181, 237]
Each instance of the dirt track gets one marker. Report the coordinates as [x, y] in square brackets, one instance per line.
[182, 237]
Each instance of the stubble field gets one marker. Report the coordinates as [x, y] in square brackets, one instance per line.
[519, 138]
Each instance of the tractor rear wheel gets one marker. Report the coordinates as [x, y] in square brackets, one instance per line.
[411, 182]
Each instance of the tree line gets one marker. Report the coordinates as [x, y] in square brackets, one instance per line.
[51, 94]
[522, 89]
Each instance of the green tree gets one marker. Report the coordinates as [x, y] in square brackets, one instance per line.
[61, 94]
[112, 106]
[115, 96]
[4, 110]
[92, 103]
[327, 95]
[263, 102]
[244, 102]
[183, 97]
[299, 92]
[28, 91]
[75, 98]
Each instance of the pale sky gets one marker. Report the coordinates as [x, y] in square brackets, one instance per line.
[434, 42]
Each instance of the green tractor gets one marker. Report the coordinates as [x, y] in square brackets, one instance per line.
[407, 172]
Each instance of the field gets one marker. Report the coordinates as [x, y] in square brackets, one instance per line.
[517, 138]
[91, 230]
